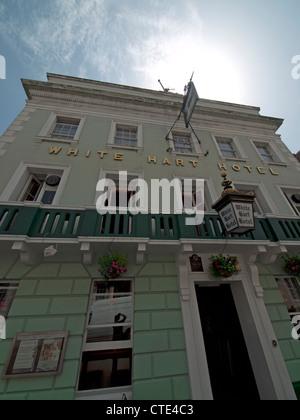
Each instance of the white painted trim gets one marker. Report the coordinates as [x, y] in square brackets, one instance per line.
[16, 184]
[241, 155]
[48, 127]
[125, 123]
[269, 368]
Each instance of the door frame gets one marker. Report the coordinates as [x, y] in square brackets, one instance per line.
[272, 378]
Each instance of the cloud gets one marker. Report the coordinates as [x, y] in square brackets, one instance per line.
[59, 34]
[129, 42]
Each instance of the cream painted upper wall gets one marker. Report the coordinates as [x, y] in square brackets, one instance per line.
[102, 104]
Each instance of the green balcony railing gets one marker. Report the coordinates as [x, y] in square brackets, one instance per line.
[63, 223]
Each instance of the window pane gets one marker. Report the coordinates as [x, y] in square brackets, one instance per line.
[226, 147]
[265, 153]
[126, 136]
[33, 190]
[99, 334]
[110, 309]
[105, 369]
[227, 153]
[110, 312]
[290, 290]
[64, 131]
[182, 144]
[48, 197]
[7, 294]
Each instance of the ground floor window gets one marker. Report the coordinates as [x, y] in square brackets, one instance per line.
[107, 352]
[290, 290]
[105, 369]
[7, 294]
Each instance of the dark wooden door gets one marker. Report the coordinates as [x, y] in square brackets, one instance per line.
[229, 365]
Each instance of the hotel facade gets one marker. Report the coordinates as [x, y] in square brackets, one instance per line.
[182, 333]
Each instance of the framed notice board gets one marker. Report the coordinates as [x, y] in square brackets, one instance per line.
[36, 354]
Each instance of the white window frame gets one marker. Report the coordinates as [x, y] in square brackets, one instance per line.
[125, 124]
[20, 179]
[113, 392]
[49, 126]
[196, 148]
[107, 173]
[285, 191]
[8, 285]
[263, 200]
[292, 294]
[210, 195]
[237, 148]
[278, 158]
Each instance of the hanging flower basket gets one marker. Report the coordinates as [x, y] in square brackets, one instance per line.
[292, 265]
[112, 266]
[224, 266]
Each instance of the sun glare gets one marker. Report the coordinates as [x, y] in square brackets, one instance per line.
[217, 74]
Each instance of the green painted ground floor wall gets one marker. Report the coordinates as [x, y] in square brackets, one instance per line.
[280, 319]
[54, 295]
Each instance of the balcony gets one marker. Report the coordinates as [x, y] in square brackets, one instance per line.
[41, 222]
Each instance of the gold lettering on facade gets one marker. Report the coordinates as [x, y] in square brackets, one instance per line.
[273, 173]
[166, 162]
[193, 162]
[54, 150]
[261, 170]
[236, 168]
[179, 162]
[118, 156]
[153, 159]
[222, 167]
[150, 159]
[73, 152]
[102, 154]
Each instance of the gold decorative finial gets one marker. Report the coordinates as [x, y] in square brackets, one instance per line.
[227, 184]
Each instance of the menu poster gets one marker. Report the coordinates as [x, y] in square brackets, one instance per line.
[36, 354]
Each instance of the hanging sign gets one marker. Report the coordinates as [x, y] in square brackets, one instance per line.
[189, 104]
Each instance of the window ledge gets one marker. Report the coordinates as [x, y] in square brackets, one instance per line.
[105, 394]
[115, 146]
[196, 155]
[233, 159]
[274, 163]
[40, 139]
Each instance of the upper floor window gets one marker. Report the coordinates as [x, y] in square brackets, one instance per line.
[65, 128]
[126, 136]
[61, 128]
[294, 200]
[41, 188]
[226, 147]
[182, 143]
[265, 152]
[37, 183]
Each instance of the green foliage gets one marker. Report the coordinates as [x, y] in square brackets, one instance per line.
[292, 265]
[223, 266]
[112, 266]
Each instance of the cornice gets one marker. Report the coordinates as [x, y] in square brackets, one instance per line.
[167, 104]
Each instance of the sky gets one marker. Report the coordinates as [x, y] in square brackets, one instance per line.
[241, 51]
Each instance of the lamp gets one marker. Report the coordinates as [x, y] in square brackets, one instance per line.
[50, 251]
[235, 209]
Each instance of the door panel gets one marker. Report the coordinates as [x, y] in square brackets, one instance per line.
[229, 365]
